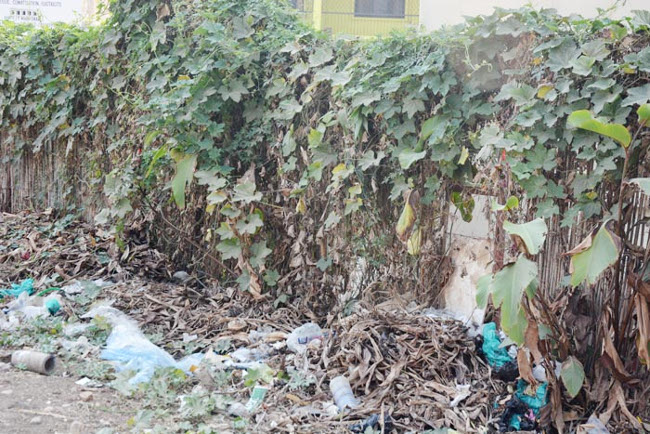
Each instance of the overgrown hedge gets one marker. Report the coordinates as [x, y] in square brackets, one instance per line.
[288, 152]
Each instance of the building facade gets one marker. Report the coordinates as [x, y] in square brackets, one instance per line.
[360, 17]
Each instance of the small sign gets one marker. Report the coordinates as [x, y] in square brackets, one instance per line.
[42, 11]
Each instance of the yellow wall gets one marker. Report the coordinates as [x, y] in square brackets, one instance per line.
[337, 16]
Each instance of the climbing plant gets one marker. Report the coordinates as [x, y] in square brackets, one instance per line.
[273, 156]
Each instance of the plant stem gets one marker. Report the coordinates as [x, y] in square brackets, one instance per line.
[617, 288]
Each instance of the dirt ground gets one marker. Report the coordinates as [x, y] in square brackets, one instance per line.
[33, 404]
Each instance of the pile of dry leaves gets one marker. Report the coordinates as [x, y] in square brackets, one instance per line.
[40, 246]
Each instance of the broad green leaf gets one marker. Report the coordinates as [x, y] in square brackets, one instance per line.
[533, 234]
[161, 152]
[511, 203]
[271, 277]
[584, 120]
[507, 289]
[184, 173]
[241, 27]
[644, 114]
[320, 55]
[637, 95]
[368, 159]
[234, 91]
[150, 137]
[593, 256]
[230, 249]
[324, 263]
[209, 178]
[544, 90]
[520, 93]
[230, 211]
[483, 288]
[250, 225]
[464, 203]
[225, 232]
[582, 65]
[641, 18]
[245, 192]
[563, 55]
[409, 156]
[643, 183]
[332, 220]
[352, 205]
[433, 129]
[315, 137]
[573, 375]
[259, 252]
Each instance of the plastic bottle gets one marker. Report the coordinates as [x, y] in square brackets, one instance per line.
[342, 392]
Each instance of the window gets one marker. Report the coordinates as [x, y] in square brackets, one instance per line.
[379, 8]
[298, 4]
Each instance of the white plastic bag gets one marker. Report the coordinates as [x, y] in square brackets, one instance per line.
[128, 347]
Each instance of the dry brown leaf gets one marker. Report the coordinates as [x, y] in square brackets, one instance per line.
[531, 340]
[236, 325]
[618, 393]
[525, 368]
[643, 325]
[556, 407]
[610, 356]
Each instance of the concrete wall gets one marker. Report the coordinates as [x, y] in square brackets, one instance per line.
[436, 13]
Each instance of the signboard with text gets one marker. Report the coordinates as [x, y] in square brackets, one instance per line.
[42, 11]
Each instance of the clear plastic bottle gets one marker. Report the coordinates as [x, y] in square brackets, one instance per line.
[342, 393]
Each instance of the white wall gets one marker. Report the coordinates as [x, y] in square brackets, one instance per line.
[436, 13]
[46, 11]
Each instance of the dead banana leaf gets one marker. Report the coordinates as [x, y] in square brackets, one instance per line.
[643, 319]
[531, 340]
[525, 367]
[610, 356]
[408, 216]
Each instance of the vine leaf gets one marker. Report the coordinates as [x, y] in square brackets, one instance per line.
[637, 95]
[259, 252]
[643, 183]
[573, 375]
[507, 288]
[409, 156]
[531, 234]
[230, 248]
[245, 192]
[593, 255]
[584, 120]
[184, 173]
[644, 113]
[511, 203]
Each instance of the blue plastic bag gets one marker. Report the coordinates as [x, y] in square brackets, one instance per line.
[495, 355]
[26, 285]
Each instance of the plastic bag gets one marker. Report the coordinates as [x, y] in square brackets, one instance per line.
[300, 337]
[128, 347]
[495, 355]
[26, 285]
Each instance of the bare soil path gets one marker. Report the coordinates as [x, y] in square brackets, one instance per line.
[33, 404]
